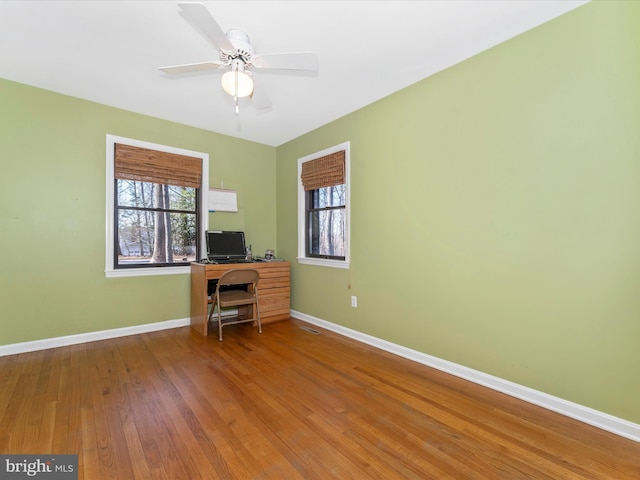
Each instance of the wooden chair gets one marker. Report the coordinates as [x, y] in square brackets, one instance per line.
[225, 298]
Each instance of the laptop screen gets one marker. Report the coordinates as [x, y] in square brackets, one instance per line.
[225, 245]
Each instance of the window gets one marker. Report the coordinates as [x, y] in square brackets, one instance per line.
[156, 208]
[323, 207]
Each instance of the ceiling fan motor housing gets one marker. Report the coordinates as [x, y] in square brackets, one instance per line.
[244, 50]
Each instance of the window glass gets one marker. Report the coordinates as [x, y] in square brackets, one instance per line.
[156, 224]
[326, 222]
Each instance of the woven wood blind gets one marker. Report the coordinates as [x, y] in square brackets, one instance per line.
[144, 165]
[324, 171]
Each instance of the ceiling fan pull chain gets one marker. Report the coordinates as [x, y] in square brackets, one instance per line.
[235, 92]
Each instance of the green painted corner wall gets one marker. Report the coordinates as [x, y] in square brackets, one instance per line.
[496, 212]
[52, 213]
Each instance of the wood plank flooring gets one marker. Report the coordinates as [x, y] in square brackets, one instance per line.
[286, 404]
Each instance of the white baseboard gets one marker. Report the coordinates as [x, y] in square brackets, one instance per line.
[576, 411]
[89, 337]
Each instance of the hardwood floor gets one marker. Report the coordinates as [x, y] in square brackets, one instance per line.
[286, 404]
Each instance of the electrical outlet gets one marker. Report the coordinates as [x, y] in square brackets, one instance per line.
[354, 301]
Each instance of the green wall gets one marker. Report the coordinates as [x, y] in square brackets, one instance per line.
[511, 183]
[52, 213]
[510, 186]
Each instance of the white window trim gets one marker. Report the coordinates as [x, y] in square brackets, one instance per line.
[324, 262]
[111, 272]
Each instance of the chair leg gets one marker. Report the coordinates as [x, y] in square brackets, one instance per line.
[210, 314]
[213, 306]
[256, 308]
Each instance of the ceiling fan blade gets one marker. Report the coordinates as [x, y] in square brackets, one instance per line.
[198, 15]
[194, 67]
[259, 98]
[286, 61]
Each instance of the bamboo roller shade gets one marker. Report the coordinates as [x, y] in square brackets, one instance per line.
[145, 165]
[324, 171]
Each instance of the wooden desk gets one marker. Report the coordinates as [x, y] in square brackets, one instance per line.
[274, 290]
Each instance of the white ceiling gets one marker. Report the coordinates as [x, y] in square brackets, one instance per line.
[109, 52]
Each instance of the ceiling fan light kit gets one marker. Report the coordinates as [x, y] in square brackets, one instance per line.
[237, 57]
[237, 83]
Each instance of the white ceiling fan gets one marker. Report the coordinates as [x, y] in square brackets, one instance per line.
[237, 58]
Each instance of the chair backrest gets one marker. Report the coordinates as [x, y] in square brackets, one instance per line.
[240, 276]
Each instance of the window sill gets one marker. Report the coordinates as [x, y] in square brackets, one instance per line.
[146, 272]
[323, 262]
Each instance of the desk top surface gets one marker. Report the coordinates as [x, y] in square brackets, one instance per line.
[250, 262]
